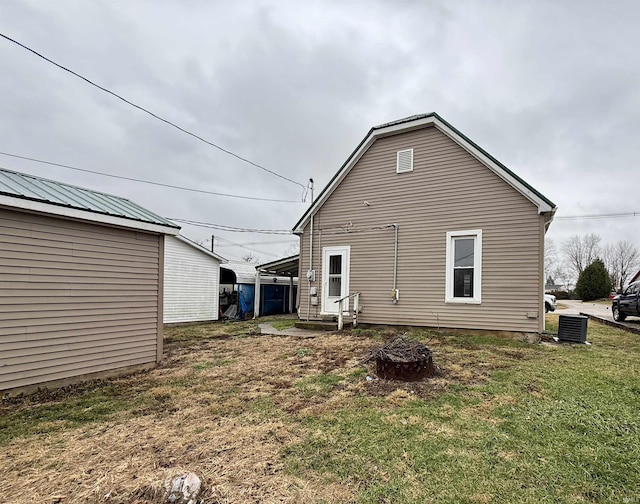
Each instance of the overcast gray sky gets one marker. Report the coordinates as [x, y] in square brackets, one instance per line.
[550, 88]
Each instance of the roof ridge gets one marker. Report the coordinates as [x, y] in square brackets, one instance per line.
[410, 118]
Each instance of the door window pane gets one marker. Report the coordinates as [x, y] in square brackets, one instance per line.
[335, 286]
[335, 265]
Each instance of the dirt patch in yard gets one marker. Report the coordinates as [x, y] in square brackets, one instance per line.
[220, 405]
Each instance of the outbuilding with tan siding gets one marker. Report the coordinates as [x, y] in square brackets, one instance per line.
[430, 230]
[81, 283]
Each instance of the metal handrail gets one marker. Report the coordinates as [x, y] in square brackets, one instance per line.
[347, 296]
[356, 300]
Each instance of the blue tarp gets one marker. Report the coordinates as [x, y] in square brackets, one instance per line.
[274, 299]
[246, 296]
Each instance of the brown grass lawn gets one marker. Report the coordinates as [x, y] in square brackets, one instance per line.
[217, 406]
[234, 407]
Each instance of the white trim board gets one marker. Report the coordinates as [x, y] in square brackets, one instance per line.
[476, 234]
[345, 252]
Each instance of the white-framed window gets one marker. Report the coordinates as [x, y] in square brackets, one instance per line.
[404, 162]
[464, 267]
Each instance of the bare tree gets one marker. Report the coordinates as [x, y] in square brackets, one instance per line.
[622, 261]
[550, 256]
[292, 249]
[250, 258]
[608, 255]
[562, 276]
[581, 251]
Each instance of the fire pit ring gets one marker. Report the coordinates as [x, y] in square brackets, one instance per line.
[405, 371]
[403, 359]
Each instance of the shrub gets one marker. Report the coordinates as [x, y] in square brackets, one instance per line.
[594, 282]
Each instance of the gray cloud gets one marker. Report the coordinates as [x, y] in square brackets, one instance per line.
[549, 88]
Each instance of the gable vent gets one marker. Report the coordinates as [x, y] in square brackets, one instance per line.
[405, 161]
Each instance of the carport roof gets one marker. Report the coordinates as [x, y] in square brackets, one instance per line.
[285, 267]
[27, 192]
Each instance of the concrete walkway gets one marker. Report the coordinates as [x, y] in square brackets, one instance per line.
[600, 310]
[575, 307]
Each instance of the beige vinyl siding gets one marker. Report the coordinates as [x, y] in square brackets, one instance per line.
[75, 298]
[448, 190]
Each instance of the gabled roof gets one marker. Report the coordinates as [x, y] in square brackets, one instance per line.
[27, 192]
[200, 248]
[420, 121]
[635, 277]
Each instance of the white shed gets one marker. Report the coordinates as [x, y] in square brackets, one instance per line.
[191, 281]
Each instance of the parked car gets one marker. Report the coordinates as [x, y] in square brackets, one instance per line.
[627, 304]
[549, 303]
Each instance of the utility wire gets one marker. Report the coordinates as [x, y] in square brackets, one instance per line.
[146, 111]
[234, 244]
[146, 181]
[598, 216]
[232, 229]
[293, 239]
[341, 230]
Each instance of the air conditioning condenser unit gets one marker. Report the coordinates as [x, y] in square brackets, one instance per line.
[572, 328]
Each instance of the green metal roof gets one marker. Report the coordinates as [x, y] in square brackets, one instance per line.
[29, 187]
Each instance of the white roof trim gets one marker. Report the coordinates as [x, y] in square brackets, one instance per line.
[199, 248]
[423, 122]
[542, 205]
[74, 213]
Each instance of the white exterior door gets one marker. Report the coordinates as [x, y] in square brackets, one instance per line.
[335, 278]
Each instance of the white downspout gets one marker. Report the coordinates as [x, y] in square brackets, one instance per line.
[310, 269]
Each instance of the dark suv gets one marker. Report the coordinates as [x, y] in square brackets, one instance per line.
[627, 304]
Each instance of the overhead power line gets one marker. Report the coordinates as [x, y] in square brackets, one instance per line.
[246, 245]
[234, 244]
[598, 216]
[152, 114]
[147, 181]
[293, 239]
[232, 229]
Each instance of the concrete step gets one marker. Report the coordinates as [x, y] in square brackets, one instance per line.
[317, 325]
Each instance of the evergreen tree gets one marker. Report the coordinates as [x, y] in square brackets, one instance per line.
[594, 282]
